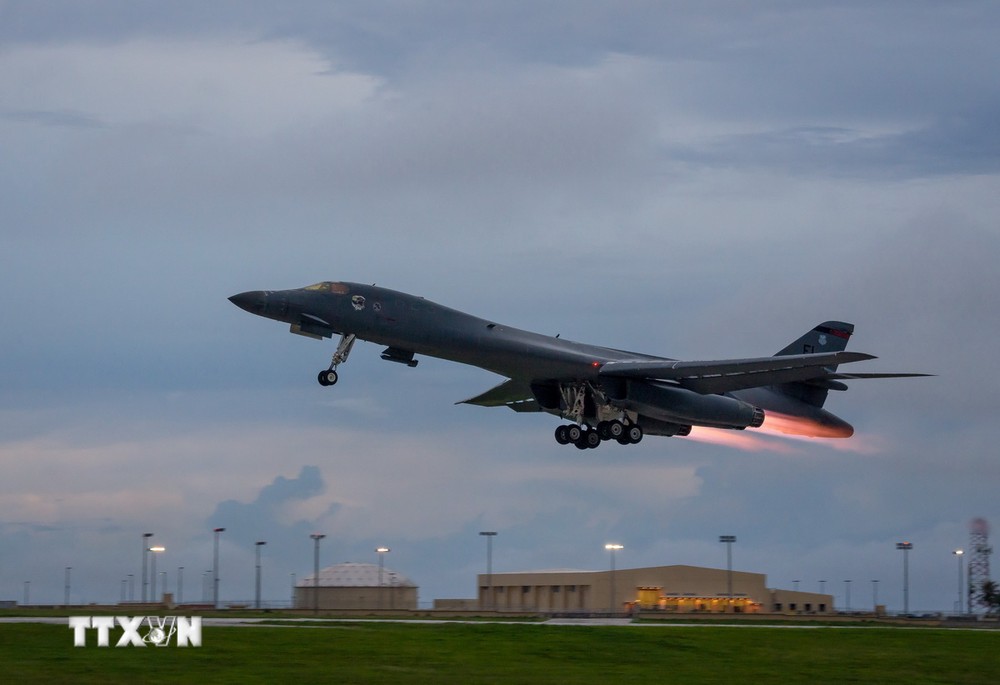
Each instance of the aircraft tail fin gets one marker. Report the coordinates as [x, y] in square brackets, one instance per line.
[829, 336]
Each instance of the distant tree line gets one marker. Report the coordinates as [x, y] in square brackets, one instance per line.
[989, 595]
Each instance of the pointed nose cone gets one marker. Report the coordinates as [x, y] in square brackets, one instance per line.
[253, 301]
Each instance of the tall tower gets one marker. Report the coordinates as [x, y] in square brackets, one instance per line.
[979, 560]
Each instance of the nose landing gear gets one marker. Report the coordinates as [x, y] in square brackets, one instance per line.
[328, 377]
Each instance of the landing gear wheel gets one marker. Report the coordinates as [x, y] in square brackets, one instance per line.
[561, 436]
[634, 434]
[603, 429]
[573, 433]
[327, 377]
[591, 439]
[615, 429]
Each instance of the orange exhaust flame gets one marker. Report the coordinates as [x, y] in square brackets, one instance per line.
[741, 440]
[781, 431]
[797, 425]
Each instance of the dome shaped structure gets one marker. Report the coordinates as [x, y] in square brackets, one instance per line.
[351, 587]
[350, 574]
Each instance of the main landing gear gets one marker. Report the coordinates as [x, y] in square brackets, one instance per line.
[585, 437]
[329, 376]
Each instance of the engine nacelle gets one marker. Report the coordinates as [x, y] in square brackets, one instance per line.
[676, 405]
[651, 426]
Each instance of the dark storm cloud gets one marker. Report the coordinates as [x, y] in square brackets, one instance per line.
[261, 518]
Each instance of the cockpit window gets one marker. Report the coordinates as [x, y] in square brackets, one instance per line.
[329, 287]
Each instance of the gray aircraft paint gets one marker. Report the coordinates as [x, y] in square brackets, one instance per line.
[599, 389]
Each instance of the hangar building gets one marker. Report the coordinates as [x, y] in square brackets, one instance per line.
[677, 589]
[356, 586]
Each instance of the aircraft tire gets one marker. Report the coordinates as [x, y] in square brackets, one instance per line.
[561, 436]
[327, 377]
[634, 434]
[615, 429]
[591, 438]
[573, 433]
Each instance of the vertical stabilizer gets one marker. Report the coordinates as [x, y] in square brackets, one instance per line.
[829, 336]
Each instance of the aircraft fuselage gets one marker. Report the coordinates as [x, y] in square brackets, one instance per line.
[570, 379]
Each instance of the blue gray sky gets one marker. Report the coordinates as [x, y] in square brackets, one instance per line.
[691, 179]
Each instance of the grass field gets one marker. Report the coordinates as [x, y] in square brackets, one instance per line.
[525, 653]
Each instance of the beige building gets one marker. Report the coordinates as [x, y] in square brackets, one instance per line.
[678, 589]
[351, 586]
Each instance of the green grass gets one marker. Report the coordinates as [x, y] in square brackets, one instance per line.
[493, 653]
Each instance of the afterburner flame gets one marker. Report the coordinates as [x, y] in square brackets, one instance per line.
[742, 440]
[780, 432]
[798, 425]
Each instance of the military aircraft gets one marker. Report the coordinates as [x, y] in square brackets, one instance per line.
[603, 393]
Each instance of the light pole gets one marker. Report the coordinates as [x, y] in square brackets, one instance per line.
[796, 583]
[215, 568]
[206, 580]
[68, 569]
[874, 596]
[969, 586]
[152, 572]
[489, 535]
[906, 547]
[131, 587]
[613, 547]
[316, 538]
[729, 540]
[145, 551]
[27, 592]
[381, 551]
[124, 590]
[822, 587]
[258, 545]
[958, 605]
[847, 585]
[180, 584]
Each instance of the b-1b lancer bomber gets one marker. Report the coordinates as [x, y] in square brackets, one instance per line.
[602, 393]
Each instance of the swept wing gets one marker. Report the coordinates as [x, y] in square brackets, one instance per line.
[727, 375]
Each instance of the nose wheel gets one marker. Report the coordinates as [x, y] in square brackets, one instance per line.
[327, 377]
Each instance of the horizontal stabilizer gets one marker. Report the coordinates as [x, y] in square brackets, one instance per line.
[858, 376]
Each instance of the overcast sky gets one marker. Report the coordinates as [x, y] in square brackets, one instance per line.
[692, 179]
